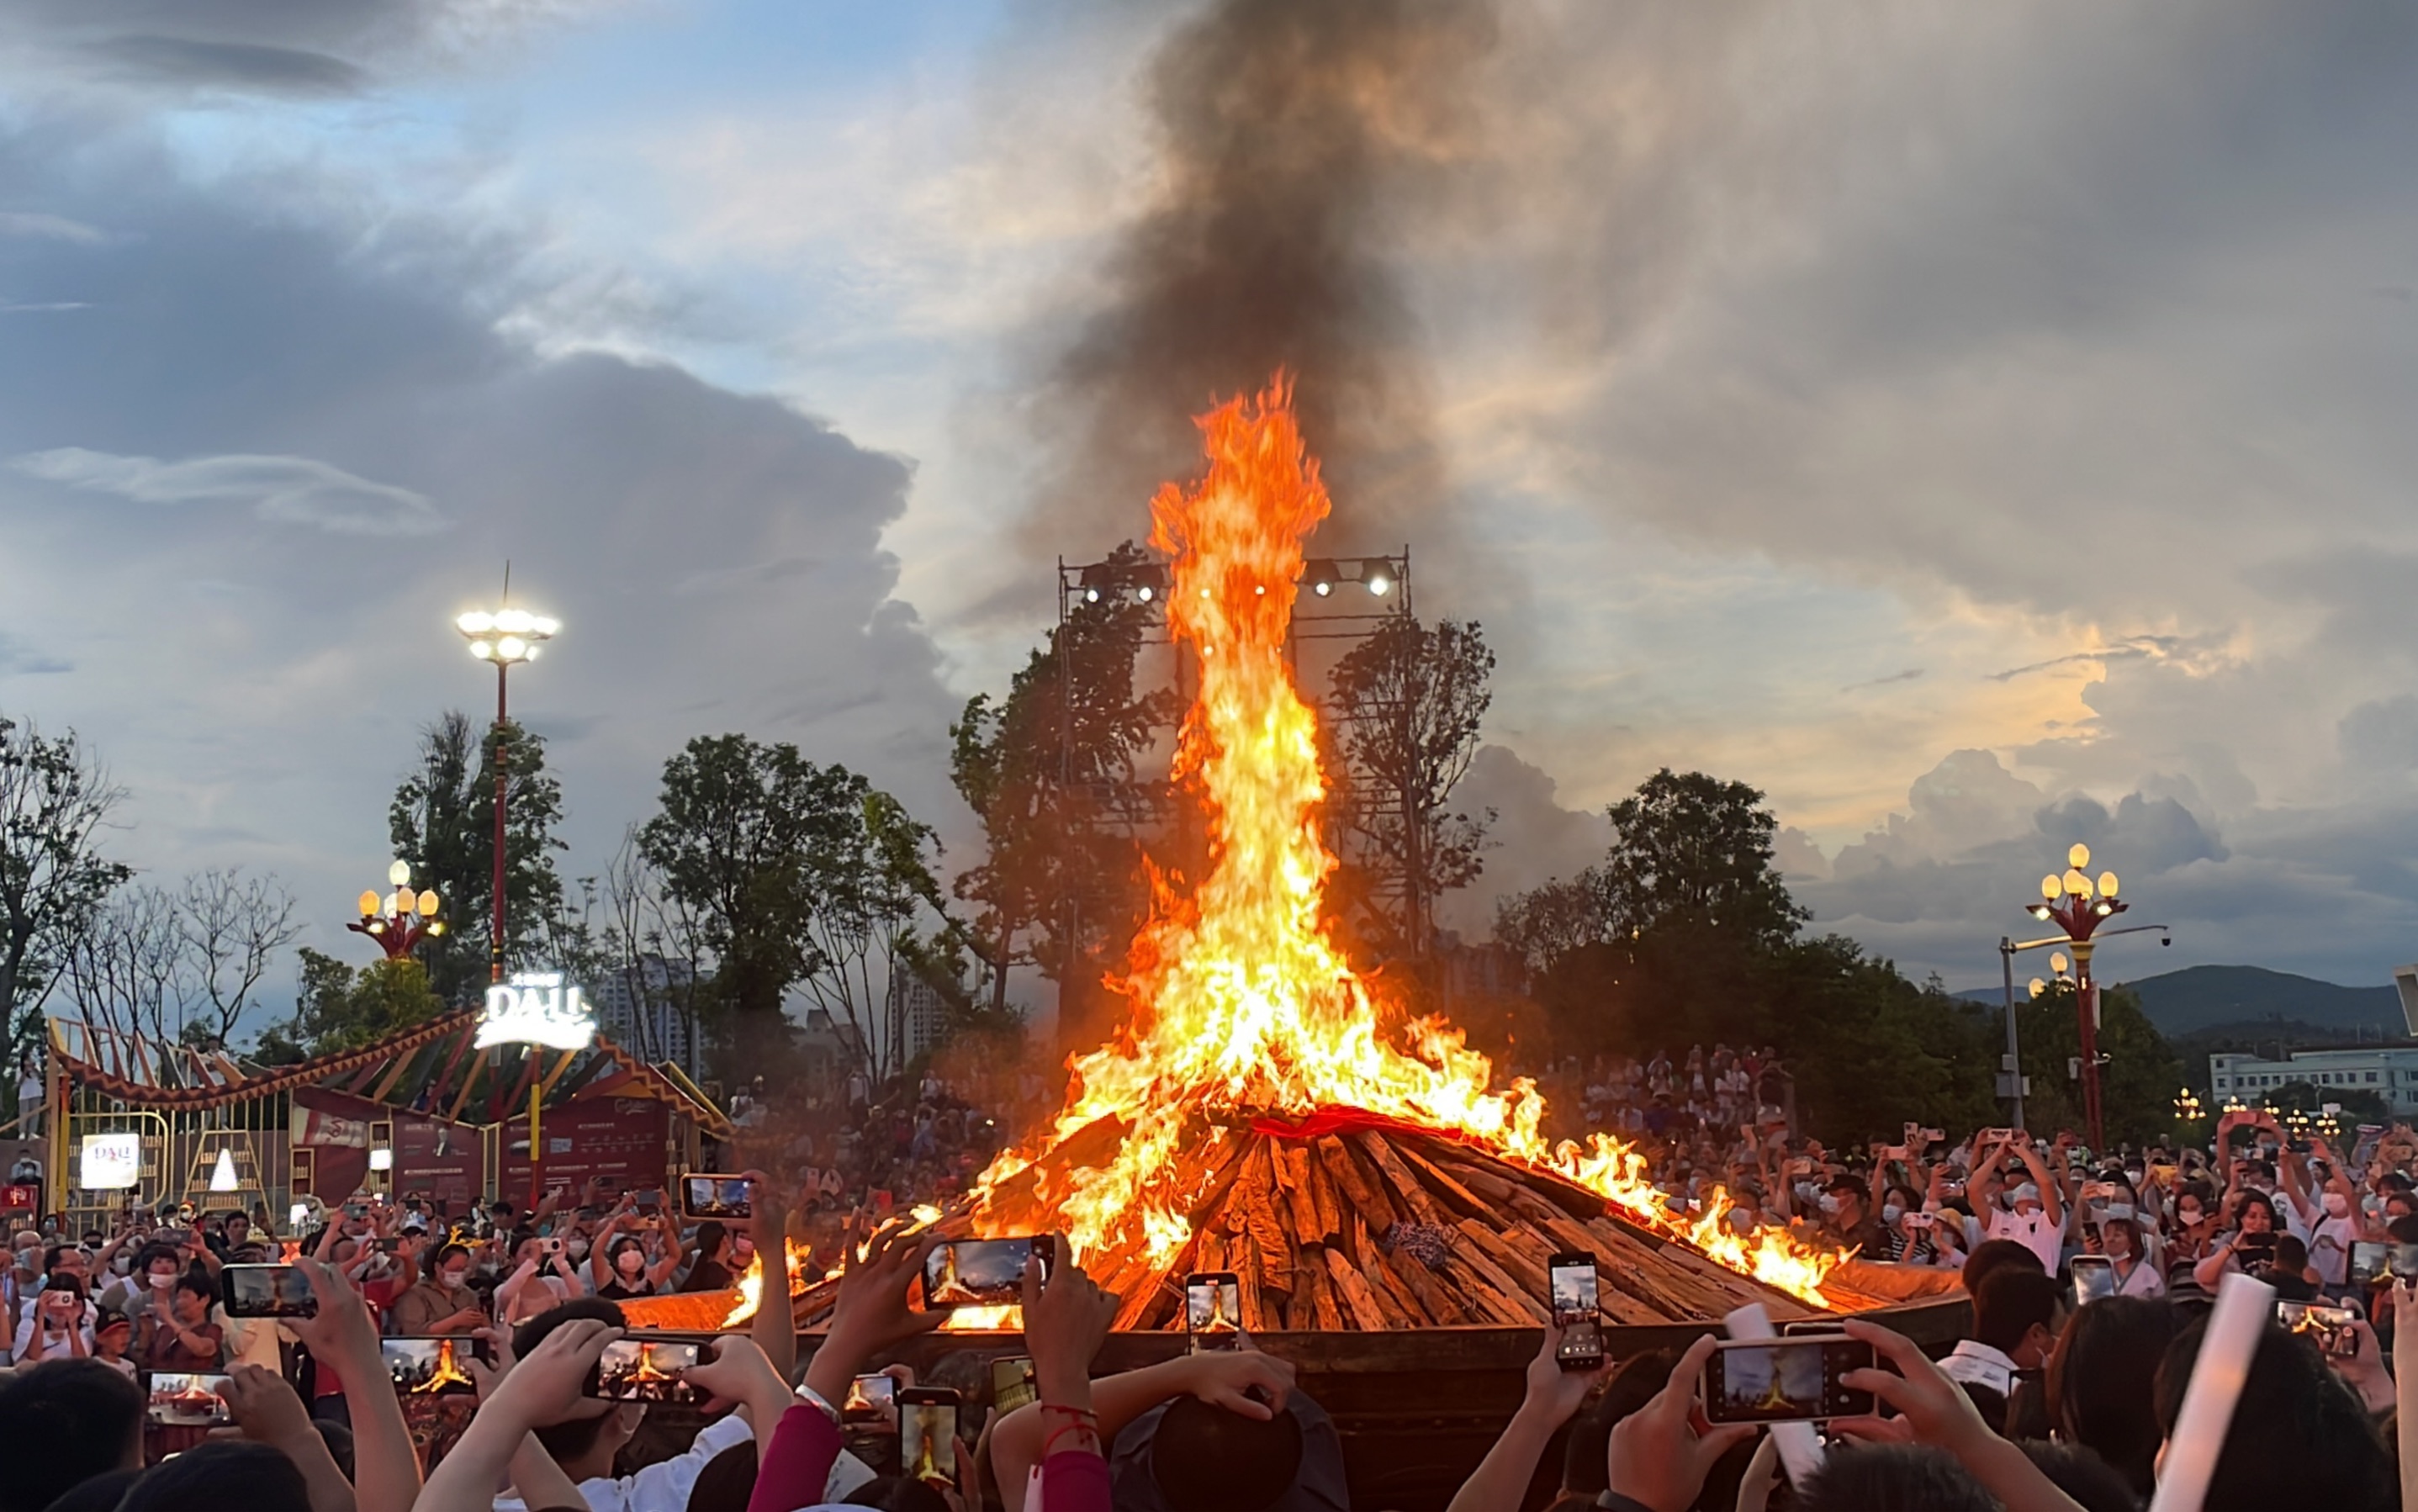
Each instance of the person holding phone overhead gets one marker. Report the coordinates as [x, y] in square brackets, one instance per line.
[618, 1260]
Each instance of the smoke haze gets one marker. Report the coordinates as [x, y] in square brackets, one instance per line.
[1294, 139]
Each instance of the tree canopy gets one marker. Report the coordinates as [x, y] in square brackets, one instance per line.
[442, 824]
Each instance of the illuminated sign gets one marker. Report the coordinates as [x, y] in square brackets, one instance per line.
[536, 1008]
[110, 1162]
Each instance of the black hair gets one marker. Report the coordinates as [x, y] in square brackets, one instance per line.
[51, 1257]
[2298, 1437]
[339, 1440]
[199, 1285]
[62, 1423]
[1206, 1458]
[1989, 1255]
[897, 1493]
[99, 1494]
[2089, 1481]
[2253, 1197]
[73, 1284]
[571, 1439]
[446, 1253]
[711, 1237]
[156, 1251]
[2102, 1383]
[221, 1472]
[2402, 1231]
[1893, 1477]
[1635, 1382]
[727, 1481]
[2010, 1301]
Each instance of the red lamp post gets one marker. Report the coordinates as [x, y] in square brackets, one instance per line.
[401, 919]
[2077, 904]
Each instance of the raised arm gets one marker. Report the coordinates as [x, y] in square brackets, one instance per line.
[774, 1328]
[2052, 1190]
[343, 1338]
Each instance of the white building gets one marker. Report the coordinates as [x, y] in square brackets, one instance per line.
[2391, 1073]
[919, 1014]
[638, 1008]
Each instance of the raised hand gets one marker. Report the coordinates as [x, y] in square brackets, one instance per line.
[1657, 1458]
[1064, 1321]
[1554, 1391]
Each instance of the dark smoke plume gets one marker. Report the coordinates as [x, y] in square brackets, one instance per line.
[1296, 140]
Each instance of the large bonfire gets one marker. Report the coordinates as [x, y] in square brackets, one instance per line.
[1258, 1073]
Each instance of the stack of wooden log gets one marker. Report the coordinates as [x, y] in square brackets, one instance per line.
[1379, 1227]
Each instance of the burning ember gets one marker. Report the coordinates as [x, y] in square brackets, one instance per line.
[1244, 1015]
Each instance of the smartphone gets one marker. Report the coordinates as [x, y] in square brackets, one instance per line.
[1784, 1381]
[2404, 1262]
[189, 1398]
[1805, 1327]
[2094, 1276]
[2330, 1328]
[431, 1367]
[928, 1430]
[715, 1197]
[266, 1292]
[872, 1405]
[1577, 1311]
[357, 1209]
[2371, 1260]
[1011, 1383]
[981, 1273]
[1992, 1137]
[1213, 1309]
[646, 1371]
[650, 1201]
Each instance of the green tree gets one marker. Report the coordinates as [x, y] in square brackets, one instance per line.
[794, 875]
[1054, 772]
[1694, 853]
[442, 824]
[55, 799]
[2136, 1086]
[342, 1009]
[1406, 706]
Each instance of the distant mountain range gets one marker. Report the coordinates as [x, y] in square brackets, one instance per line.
[2199, 998]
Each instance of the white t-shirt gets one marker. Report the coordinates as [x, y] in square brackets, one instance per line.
[2034, 1230]
[665, 1487]
[2330, 1240]
[2145, 1281]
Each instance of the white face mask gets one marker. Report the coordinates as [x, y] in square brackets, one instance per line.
[2337, 1205]
[161, 1280]
[452, 1280]
[1891, 1212]
[1828, 1203]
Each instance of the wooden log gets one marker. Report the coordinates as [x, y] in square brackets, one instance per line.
[1353, 1289]
[1493, 1186]
[1433, 1176]
[1438, 1299]
[1209, 1252]
[1313, 1298]
[1247, 1280]
[1473, 1256]
[1401, 1305]
[1525, 1275]
[1261, 1222]
[1225, 1168]
[1486, 1296]
[1300, 1203]
[1422, 1208]
[1367, 1195]
[1321, 1191]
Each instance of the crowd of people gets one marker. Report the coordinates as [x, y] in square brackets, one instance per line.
[2090, 1275]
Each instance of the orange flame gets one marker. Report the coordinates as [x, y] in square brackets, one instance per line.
[1241, 1003]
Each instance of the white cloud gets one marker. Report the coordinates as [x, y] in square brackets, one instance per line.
[286, 490]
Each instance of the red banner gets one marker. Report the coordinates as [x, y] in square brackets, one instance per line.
[622, 1140]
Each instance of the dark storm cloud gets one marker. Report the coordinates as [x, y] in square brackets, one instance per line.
[250, 485]
[1292, 142]
[277, 70]
[266, 47]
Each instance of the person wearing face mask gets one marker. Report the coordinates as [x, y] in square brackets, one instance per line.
[2119, 1239]
[2016, 1314]
[443, 1303]
[1847, 1218]
[2032, 1212]
[619, 1260]
[156, 1269]
[2327, 1221]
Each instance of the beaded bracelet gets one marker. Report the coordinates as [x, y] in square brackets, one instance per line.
[1084, 1431]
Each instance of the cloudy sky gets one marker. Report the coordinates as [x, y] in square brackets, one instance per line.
[1979, 429]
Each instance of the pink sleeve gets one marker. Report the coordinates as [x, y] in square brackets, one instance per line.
[797, 1462]
[1072, 1480]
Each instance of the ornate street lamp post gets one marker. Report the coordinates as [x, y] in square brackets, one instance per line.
[505, 638]
[401, 919]
[2079, 907]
